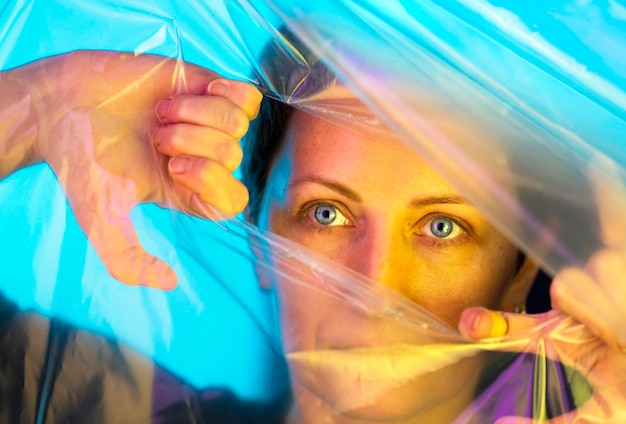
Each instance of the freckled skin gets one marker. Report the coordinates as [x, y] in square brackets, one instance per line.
[444, 276]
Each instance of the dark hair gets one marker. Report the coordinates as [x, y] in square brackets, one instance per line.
[260, 147]
[288, 71]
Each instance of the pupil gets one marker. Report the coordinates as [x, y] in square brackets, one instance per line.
[325, 215]
[441, 227]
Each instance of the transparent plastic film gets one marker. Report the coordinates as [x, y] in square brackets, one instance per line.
[279, 212]
[77, 123]
[360, 352]
[491, 89]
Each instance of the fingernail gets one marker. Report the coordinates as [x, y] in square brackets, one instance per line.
[469, 324]
[179, 164]
[217, 88]
[157, 136]
[499, 326]
[162, 109]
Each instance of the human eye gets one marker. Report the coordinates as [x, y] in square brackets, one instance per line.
[443, 230]
[327, 215]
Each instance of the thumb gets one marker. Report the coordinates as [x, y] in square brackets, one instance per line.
[480, 323]
[118, 246]
[108, 227]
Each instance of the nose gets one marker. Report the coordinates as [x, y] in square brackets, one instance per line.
[379, 253]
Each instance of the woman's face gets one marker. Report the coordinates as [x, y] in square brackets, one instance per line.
[378, 208]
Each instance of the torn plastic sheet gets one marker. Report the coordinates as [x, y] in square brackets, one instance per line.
[539, 101]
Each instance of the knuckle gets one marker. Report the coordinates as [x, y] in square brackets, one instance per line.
[185, 108]
[229, 154]
[209, 171]
[191, 108]
[178, 109]
[173, 140]
[235, 123]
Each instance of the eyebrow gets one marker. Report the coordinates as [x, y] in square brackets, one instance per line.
[350, 194]
[439, 200]
[333, 185]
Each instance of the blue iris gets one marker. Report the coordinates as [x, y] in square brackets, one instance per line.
[325, 214]
[441, 227]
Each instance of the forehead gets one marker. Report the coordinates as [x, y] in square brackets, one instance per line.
[310, 130]
[316, 147]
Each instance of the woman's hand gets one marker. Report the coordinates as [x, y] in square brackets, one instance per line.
[119, 130]
[584, 331]
[587, 326]
[594, 297]
[572, 343]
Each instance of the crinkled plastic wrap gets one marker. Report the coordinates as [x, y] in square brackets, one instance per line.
[521, 107]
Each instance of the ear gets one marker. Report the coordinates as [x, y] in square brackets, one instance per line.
[517, 291]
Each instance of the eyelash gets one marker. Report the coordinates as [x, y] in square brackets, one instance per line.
[305, 211]
[439, 242]
[303, 216]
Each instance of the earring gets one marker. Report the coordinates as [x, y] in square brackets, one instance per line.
[519, 308]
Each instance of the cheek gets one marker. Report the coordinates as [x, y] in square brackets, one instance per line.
[447, 285]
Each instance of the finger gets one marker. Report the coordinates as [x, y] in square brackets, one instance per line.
[246, 96]
[577, 294]
[209, 111]
[205, 182]
[193, 140]
[193, 79]
[478, 323]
